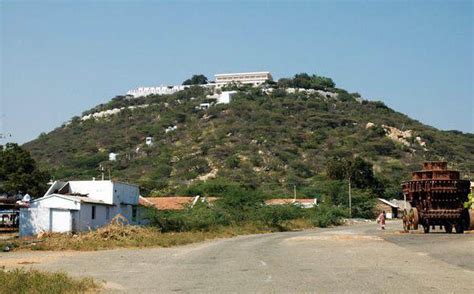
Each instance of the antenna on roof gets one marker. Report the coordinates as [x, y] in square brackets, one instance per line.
[102, 171]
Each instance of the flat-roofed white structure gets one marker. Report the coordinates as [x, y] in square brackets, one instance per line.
[162, 90]
[77, 206]
[254, 78]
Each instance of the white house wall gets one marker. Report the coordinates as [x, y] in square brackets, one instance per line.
[97, 190]
[55, 202]
[126, 194]
[85, 216]
[33, 221]
[87, 223]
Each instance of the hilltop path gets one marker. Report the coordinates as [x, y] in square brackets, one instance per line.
[349, 259]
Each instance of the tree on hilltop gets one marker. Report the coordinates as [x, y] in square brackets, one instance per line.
[306, 81]
[196, 80]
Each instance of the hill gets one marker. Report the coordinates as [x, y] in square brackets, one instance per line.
[269, 138]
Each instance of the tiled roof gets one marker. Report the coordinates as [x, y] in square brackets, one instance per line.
[289, 201]
[171, 203]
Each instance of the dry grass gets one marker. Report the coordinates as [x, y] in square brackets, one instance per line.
[33, 281]
[118, 235]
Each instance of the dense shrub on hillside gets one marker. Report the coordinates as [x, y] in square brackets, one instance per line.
[306, 81]
[268, 142]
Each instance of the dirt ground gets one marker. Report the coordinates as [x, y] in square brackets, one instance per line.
[350, 259]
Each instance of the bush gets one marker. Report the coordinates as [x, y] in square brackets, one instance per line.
[326, 215]
[239, 203]
[276, 216]
[200, 217]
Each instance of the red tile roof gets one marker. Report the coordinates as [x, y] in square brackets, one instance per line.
[289, 201]
[170, 203]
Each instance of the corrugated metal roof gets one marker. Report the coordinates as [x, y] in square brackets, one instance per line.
[387, 202]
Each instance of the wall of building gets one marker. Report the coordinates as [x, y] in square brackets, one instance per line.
[255, 78]
[162, 90]
[34, 221]
[55, 202]
[86, 222]
[380, 206]
[125, 193]
[97, 190]
[122, 197]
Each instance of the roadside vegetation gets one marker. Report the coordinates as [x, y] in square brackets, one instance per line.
[33, 281]
[241, 212]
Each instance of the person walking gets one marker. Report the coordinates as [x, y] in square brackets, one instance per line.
[381, 220]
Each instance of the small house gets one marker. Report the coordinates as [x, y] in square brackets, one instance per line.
[149, 141]
[77, 206]
[303, 203]
[391, 209]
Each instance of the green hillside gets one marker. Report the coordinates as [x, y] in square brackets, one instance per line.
[266, 141]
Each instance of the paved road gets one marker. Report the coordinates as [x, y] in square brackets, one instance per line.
[349, 259]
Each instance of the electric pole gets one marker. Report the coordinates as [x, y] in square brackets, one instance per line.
[350, 198]
[294, 193]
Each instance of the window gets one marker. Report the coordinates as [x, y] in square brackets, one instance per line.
[134, 213]
[93, 212]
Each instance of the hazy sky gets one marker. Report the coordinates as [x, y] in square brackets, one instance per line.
[61, 58]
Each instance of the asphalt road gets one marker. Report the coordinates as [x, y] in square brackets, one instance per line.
[349, 259]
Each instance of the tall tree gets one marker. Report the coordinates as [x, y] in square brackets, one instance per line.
[358, 170]
[18, 172]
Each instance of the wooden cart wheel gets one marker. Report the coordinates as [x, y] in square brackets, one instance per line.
[416, 218]
[406, 221]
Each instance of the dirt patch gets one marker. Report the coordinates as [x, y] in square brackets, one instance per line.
[27, 262]
[14, 260]
[338, 237]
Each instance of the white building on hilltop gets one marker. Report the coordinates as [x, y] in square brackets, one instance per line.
[224, 97]
[77, 206]
[254, 78]
[162, 90]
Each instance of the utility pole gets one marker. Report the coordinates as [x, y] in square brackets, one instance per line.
[102, 171]
[350, 198]
[294, 193]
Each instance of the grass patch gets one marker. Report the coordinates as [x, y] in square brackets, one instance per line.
[33, 281]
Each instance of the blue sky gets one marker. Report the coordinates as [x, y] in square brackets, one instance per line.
[61, 58]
